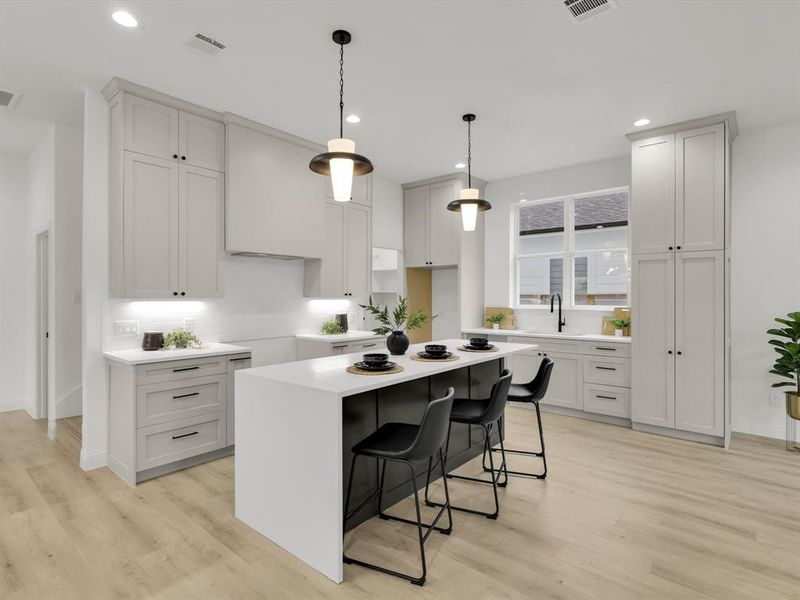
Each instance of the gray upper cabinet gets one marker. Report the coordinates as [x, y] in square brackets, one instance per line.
[431, 232]
[652, 207]
[166, 198]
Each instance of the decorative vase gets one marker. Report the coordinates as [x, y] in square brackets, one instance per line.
[397, 343]
[495, 325]
[618, 332]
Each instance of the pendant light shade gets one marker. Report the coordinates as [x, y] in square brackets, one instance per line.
[340, 161]
[469, 202]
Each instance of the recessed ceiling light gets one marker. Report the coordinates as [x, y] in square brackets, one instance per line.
[641, 122]
[124, 18]
[353, 119]
[459, 165]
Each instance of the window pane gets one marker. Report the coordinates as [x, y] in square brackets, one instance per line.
[539, 278]
[541, 228]
[601, 278]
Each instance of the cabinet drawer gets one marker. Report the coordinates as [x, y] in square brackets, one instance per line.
[169, 442]
[607, 400]
[608, 371]
[181, 369]
[606, 349]
[168, 401]
[551, 345]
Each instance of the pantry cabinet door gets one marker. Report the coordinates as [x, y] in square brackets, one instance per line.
[358, 258]
[202, 142]
[415, 226]
[332, 271]
[150, 227]
[445, 225]
[150, 128]
[652, 201]
[200, 210]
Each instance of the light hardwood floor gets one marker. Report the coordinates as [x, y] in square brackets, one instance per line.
[623, 515]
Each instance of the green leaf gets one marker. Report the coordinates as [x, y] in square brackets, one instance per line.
[783, 384]
[780, 332]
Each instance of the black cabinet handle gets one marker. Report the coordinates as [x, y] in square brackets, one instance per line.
[174, 156]
[174, 293]
[177, 437]
[368, 345]
[606, 368]
[183, 293]
[183, 158]
[545, 354]
[605, 397]
[678, 247]
[669, 351]
[186, 369]
[670, 248]
[604, 348]
[679, 352]
[241, 358]
[186, 395]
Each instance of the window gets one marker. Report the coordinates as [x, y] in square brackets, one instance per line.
[576, 246]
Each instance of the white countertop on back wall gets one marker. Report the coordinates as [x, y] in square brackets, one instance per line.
[586, 337]
[351, 336]
[140, 357]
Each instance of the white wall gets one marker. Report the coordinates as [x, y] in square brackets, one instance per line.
[68, 194]
[765, 268]
[16, 260]
[502, 194]
[444, 304]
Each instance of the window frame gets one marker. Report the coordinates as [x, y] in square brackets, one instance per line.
[568, 287]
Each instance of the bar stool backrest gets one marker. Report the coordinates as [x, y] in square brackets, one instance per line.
[497, 400]
[538, 387]
[433, 427]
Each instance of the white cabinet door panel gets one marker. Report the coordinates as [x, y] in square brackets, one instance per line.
[653, 338]
[443, 240]
[150, 128]
[361, 192]
[415, 226]
[524, 366]
[202, 142]
[200, 233]
[652, 204]
[150, 226]
[566, 381]
[333, 261]
[699, 342]
[358, 250]
[700, 189]
[234, 364]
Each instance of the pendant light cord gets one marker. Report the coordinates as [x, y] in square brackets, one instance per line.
[469, 154]
[341, 90]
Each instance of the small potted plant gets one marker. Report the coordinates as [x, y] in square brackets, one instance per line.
[787, 345]
[331, 327]
[180, 339]
[620, 325]
[495, 320]
[395, 324]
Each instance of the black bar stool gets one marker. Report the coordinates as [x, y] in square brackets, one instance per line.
[402, 442]
[486, 414]
[532, 391]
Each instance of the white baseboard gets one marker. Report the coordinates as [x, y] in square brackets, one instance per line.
[9, 406]
[742, 426]
[96, 460]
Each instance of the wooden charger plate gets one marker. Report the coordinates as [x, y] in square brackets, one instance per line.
[356, 371]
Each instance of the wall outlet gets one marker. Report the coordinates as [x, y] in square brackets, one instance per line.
[126, 328]
[776, 397]
[188, 325]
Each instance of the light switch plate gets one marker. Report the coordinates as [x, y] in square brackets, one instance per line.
[126, 328]
[188, 325]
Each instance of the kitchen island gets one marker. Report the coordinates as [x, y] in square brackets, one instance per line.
[296, 423]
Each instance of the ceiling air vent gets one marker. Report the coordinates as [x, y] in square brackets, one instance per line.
[8, 99]
[205, 45]
[582, 10]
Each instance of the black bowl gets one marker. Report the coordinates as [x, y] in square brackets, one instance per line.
[435, 349]
[478, 342]
[376, 358]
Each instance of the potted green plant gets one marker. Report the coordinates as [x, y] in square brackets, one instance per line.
[331, 327]
[395, 323]
[495, 320]
[180, 339]
[620, 325]
[787, 345]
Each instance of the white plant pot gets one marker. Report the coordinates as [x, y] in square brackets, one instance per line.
[618, 332]
[495, 325]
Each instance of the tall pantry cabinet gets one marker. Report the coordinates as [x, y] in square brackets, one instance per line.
[680, 237]
[166, 195]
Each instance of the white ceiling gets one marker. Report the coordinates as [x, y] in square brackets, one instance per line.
[547, 92]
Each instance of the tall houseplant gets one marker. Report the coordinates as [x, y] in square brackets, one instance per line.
[395, 323]
[787, 366]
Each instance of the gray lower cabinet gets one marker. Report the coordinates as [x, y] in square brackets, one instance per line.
[170, 415]
[309, 348]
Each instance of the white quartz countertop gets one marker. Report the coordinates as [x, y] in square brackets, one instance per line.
[140, 357]
[586, 337]
[329, 374]
[351, 336]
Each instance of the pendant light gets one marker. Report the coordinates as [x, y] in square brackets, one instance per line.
[340, 161]
[469, 202]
